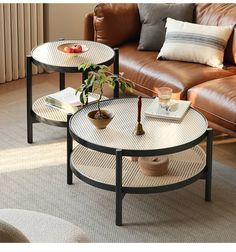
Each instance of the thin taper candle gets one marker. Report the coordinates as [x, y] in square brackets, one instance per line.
[139, 108]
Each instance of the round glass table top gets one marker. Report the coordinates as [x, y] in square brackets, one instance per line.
[49, 54]
[159, 133]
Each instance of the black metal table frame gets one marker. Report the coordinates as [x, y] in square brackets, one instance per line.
[120, 191]
[31, 116]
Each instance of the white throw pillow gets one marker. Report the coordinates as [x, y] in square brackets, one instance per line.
[195, 43]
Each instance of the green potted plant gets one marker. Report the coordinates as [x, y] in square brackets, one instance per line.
[99, 76]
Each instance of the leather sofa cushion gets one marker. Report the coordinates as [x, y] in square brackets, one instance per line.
[148, 73]
[217, 100]
[115, 24]
[219, 14]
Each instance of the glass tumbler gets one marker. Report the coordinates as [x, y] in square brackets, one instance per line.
[164, 94]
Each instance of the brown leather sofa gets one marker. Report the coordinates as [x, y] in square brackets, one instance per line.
[211, 90]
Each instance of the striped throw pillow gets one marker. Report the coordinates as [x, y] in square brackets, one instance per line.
[195, 43]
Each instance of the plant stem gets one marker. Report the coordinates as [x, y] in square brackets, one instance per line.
[99, 99]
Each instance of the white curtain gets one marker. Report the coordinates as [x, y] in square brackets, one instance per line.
[21, 29]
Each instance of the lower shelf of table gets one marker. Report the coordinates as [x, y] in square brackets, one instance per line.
[99, 169]
[51, 115]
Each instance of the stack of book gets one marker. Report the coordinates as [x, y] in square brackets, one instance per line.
[66, 100]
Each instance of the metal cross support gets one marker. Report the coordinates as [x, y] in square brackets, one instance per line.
[62, 80]
[69, 151]
[119, 187]
[30, 117]
[208, 177]
[116, 72]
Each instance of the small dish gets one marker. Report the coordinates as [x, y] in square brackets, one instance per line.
[62, 46]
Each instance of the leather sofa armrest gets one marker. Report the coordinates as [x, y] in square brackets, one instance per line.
[88, 27]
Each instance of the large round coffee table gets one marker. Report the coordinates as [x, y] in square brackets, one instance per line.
[50, 56]
[100, 158]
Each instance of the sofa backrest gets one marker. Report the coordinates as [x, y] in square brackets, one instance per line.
[219, 14]
[116, 23]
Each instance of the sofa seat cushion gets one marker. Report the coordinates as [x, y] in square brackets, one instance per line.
[217, 100]
[148, 73]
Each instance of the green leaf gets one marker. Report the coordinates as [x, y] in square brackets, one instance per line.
[77, 90]
[122, 87]
[90, 79]
[104, 68]
[82, 98]
[111, 84]
[99, 76]
[87, 66]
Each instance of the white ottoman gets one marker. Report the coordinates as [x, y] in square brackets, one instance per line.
[39, 227]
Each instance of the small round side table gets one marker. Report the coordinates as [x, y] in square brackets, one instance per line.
[49, 57]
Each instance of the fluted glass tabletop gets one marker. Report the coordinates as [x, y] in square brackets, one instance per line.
[159, 133]
[50, 55]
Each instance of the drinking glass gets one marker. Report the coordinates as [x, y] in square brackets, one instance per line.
[164, 94]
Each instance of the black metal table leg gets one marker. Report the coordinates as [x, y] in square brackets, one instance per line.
[69, 151]
[119, 187]
[29, 100]
[62, 80]
[116, 72]
[208, 165]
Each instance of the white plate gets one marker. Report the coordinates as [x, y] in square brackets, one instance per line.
[61, 48]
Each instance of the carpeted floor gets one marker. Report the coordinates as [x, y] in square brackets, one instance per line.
[34, 177]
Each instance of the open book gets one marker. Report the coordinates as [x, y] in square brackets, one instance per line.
[67, 100]
[176, 111]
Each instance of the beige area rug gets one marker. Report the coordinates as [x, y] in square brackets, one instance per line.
[34, 177]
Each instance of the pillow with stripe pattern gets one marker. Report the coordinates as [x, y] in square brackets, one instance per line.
[195, 43]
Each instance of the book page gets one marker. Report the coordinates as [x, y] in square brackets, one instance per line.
[68, 96]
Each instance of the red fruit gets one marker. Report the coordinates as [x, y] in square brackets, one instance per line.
[68, 49]
[77, 48]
